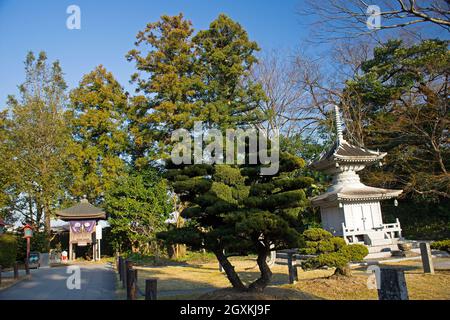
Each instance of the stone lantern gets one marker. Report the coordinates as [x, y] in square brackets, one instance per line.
[349, 208]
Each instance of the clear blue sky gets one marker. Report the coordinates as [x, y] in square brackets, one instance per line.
[108, 30]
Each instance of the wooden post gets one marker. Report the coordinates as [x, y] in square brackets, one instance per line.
[427, 259]
[392, 285]
[28, 248]
[131, 283]
[292, 268]
[16, 271]
[70, 251]
[151, 289]
[119, 267]
[126, 266]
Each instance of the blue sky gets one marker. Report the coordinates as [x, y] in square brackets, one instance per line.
[108, 30]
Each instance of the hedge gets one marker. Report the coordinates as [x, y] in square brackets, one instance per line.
[8, 250]
[443, 245]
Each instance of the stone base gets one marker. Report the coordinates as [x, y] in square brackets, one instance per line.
[404, 254]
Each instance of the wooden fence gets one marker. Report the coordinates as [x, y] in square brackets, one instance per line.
[128, 276]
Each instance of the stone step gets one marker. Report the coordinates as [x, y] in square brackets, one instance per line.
[383, 248]
[378, 255]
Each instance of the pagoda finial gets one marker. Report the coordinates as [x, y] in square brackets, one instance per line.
[340, 137]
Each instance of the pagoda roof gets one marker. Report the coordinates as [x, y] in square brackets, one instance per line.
[82, 210]
[342, 151]
[355, 192]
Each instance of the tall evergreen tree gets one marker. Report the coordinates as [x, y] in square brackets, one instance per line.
[166, 86]
[97, 121]
[225, 56]
[185, 78]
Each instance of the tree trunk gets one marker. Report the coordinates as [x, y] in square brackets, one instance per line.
[232, 276]
[343, 271]
[266, 274]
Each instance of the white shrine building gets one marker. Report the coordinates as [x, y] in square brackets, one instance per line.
[349, 208]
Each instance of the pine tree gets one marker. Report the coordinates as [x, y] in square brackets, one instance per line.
[166, 86]
[233, 210]
[225, 56]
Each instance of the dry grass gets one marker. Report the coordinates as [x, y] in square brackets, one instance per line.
[270, 293]
[420, 286]
[207, 275]
[188, 281]
[10, 281]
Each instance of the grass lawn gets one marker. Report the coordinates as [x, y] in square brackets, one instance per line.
[194, 278]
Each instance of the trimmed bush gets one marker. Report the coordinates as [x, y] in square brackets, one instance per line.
[443, 245]
[317, 234]
[325, 246]
[338, 243]
[8, 250]
[354, 252]
[331, 251]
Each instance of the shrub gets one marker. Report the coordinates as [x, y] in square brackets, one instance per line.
[8, 250]
[317, 234]
[354, 252]
[331, 251]
[443, 245]
[338, 243]
[325, 246]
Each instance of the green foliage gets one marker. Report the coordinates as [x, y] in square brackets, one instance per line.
[36, 142]
[317, 234]
[8, 250]
[443, 245]
[332, 259]
[137, 206]
[38, 243]
[330, 251]
[96, 116]
[228, 217]
[185, 77]
[354, 252]
[402, 97]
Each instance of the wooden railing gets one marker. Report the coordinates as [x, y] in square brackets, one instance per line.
[391, 231]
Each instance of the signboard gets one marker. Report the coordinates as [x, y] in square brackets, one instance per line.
[81, 231]
[98, 232]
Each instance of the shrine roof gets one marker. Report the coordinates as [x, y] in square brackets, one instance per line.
[82, 210]
[358, 192]
[342, 151]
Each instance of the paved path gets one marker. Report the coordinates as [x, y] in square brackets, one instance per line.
[97, 282]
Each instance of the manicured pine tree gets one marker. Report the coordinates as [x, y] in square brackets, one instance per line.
[235, 211]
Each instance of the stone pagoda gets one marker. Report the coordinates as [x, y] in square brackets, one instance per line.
[349, 208]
